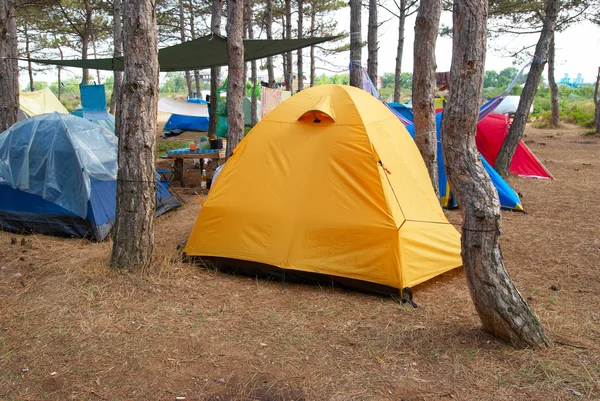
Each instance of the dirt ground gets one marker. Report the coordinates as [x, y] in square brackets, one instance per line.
[71, 328]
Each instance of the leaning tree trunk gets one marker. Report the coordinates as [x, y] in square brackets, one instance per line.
[289, 80]
[555, 117]
[254, 71]
[188, 77]
[133, 239]
[313, 14]
[9, 68]
[269, 23]
[117, 52]
[597, 105]
[58, 73]
[423, 85]
[399, 52]
[355, 44]
[215, 28]
[372, 44]
[235, 74]
[500, 306]
[517, 128]
[300, 62]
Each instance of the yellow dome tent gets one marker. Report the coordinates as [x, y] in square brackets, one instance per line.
[329, 182]
[40, 102]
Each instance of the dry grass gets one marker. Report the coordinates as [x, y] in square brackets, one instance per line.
[84, 331]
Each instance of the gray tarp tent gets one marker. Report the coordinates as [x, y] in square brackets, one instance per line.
[198, 54]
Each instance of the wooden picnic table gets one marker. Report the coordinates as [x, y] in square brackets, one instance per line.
[179, 157]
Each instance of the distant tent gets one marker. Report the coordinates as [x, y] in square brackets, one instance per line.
[40, 102]
[109, 123]
[247, 104]
[403, 109]
[187, 123]
[329, 182]
[508, 197]
[491, 132]
[58, 177]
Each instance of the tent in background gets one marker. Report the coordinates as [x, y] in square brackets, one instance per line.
[109, 123]
[58, 177]
[329, 182]
[404, 110]
[40, 102]
[491, 132]
[186, 122]
[508, 197]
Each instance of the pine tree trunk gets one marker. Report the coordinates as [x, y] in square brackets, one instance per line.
[133, 239]
[269, 23]
[312, 48]
[555, 117]
[193, 33]
[254, 71]
[288, 56]
[235, 74]
[355, 44]
[372, 44]
[96, 56]
[399, 52]
[59, 70]
[9, 68]
[423, 87]
[517, 128]
[29, 64]
[188, 77]
[500, 306]
[85, 40]
[117, 52]
[597, 105]
[300, 61]
[215, 28]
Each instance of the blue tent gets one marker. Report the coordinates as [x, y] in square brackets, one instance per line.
[58, 177]
[403, 109]
[187, 123]
[109, 123]
[508, 197]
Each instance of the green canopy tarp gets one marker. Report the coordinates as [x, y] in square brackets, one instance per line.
[199, 54]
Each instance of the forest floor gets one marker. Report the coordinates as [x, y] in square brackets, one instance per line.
[71, 328]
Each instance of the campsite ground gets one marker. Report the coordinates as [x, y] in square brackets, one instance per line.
[71, 328]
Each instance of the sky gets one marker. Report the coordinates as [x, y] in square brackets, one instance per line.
[577, 50]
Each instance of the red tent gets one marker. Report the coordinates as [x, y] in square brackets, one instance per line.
[491, 132]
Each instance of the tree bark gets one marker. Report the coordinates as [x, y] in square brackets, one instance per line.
[355, 44]
[269, 23]
[517, 128]
[399, 51]
[59, 71]
[188, 77]
[500, 306]
[215, 72]
[555, 117]
[254, 70]
[372, 44]
[96, 56]
[85, 40]
[117, 52]
[288, 56]
[423, 88]
[597, 105]
[28, 54]
[235, 73]
[133, 239]
[9, 68]
[313, 15]
[300, 61]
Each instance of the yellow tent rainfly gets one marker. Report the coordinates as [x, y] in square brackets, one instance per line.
[329, 182]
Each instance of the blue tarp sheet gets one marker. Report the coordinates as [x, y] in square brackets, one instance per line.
[187, 123]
